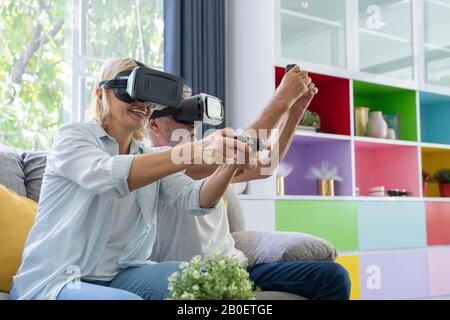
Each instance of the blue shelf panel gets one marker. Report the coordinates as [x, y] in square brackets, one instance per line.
[435, 118]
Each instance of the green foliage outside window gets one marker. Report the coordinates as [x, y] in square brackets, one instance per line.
[36, 65]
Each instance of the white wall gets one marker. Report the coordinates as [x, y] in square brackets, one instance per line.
[259, 215]
[250, 78]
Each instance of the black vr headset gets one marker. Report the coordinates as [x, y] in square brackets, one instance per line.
[202, 107]
[159, 89]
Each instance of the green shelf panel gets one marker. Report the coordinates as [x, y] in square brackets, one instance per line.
[389, 100]
[335, 221]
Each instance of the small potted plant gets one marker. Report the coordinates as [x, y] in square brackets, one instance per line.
[310, 122]
[427, 178]
[215, 278]
[443, 178]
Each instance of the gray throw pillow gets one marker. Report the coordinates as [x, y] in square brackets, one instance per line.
[33, 167]
[271, 247]
[11, 171]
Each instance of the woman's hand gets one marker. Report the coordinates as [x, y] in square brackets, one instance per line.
[294, 85]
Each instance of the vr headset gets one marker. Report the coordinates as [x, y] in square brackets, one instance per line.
[159, 89]
[202, 107]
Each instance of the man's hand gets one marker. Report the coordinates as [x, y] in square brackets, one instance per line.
[294, 85]
[303, 103]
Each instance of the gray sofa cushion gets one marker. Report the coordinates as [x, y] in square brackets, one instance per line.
[11, 171]
[272, 247]
[33, 167]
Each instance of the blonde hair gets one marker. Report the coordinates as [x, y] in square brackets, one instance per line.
[109, 71]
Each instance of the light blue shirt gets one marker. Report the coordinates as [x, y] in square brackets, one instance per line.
[84, 178]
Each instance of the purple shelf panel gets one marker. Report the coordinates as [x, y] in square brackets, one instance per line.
[306, 152]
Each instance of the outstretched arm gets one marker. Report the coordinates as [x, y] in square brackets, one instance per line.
[287, 127]
[295, 85]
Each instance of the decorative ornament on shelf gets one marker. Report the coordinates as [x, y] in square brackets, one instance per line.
[393, 122]
[283, 171]
[427, 178]
[325, 175]
[378, 191]
[391, 135]
[377, 126]
[310, 122]
[361, 119]
[443, 178]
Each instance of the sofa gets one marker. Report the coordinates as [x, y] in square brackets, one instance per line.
[22, 172]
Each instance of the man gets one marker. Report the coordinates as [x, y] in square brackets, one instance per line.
[180, 237]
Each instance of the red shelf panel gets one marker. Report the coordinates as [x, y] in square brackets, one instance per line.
[332, 103]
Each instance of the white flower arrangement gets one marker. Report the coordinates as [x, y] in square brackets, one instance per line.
[326, 171]
[285, 170]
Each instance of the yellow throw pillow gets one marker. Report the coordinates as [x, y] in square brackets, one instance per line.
[16, 219]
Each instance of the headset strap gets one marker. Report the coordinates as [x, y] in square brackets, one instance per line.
[114, 84]
[164, 113]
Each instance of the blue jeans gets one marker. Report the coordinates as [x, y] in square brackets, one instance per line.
[140, 283]
[317, 280]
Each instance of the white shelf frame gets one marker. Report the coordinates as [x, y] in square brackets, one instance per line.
[352, 71]
[320, 135]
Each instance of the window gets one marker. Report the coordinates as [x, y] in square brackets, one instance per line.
[437, 42]
[314, 31]
[50, 55]
[385, 38]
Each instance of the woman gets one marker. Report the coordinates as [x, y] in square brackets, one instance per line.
[96, 220]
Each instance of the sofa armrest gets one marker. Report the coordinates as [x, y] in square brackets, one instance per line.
[271, 247]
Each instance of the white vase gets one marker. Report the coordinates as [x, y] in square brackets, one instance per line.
[391, 134]
[377, 126]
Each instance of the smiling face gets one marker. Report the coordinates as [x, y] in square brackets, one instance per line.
[113, 114]
[130, 117]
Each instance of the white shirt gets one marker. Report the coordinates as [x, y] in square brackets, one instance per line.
[126, 218]
[180, 237]
[84, 178]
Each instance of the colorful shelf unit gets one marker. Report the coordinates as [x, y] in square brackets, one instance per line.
[438, 223]
[393, 248]
[351, 263]
[438, 275]
[382, 244]
[356, 225]
[389, 100]
[332, 104]
[394, 275]
[393, 166]
[340, 228]
[307, 151]
[434, 159]
[434, 118]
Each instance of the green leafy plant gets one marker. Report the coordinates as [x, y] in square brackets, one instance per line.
[215, 278]
[310, 119]
[443, 176]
